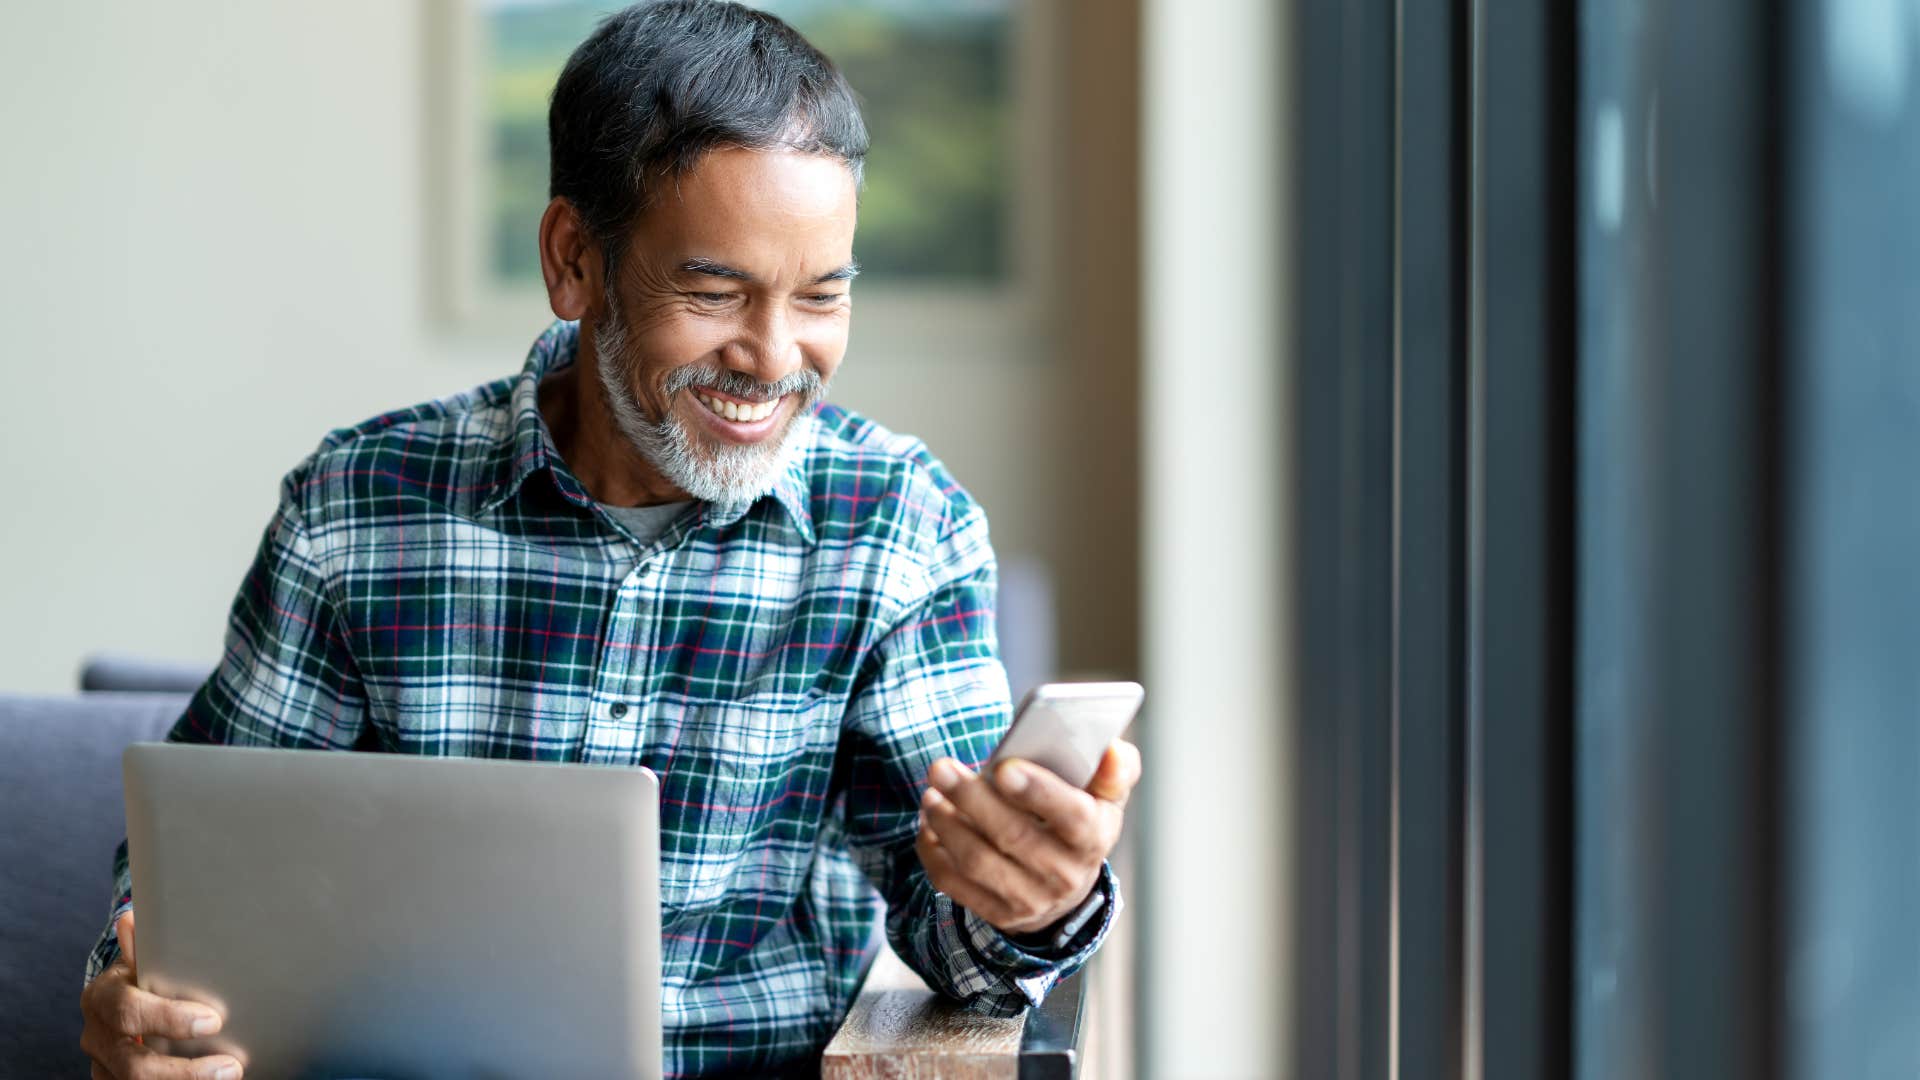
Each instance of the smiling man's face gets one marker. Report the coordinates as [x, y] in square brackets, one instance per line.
[727, 316]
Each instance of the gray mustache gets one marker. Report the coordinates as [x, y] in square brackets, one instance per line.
[741, 385]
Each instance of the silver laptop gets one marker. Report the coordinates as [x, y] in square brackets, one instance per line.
[395, 916]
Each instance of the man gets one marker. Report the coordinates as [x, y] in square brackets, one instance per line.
[654, 546]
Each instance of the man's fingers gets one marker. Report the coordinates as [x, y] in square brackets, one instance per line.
[213, 1067]
[1070, 814]
[975, 855]
[119, 1014]
[128, 1060]
[947, 876]
[129, 1010]
[142, 1063]
[1009, 828]
[1119, 771]
[102, 1047]
[946, 872]
[1016, 893]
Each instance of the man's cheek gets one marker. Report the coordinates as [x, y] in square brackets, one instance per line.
[659, 405]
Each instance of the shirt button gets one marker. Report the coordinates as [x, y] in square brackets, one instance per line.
[617, 710]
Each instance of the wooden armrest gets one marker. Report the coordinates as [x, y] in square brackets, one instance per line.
[900, 1028]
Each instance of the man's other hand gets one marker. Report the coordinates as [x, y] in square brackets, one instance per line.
[120, 1017]
[1024, 849]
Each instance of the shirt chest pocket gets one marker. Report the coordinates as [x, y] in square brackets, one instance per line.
[743, 786]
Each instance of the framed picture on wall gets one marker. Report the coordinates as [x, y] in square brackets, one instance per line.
[954, 238]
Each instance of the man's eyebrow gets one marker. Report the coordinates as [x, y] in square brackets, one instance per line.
[710, 268]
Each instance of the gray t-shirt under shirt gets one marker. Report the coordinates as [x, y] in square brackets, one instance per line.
[646, 523]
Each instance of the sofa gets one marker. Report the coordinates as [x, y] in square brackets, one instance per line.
[61, 804]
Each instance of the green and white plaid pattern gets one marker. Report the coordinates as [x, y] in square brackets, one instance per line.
[436, 581]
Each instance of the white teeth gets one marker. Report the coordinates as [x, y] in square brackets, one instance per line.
[736, 412]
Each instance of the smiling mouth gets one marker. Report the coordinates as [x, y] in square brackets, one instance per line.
[739, 412]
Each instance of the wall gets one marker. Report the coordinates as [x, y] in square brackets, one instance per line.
[1215, 528]
[214, 214]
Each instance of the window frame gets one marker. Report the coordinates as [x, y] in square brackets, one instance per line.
[1433, 448]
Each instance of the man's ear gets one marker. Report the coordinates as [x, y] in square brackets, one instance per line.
[570, 261]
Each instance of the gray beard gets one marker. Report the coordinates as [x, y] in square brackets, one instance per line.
[724, 473]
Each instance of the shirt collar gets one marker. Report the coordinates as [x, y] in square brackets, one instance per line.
[531, 447]
[790, 488]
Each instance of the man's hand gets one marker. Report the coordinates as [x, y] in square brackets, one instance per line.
[1025, 849]
[120, 1017]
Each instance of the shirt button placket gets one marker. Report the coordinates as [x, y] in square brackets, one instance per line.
[613, 735]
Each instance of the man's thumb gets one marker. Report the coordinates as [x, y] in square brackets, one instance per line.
[123, 929]
[1118, 771]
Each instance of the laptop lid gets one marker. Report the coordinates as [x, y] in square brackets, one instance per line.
[398, 916]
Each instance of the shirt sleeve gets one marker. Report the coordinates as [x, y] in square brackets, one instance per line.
[287, 678]
[935, 687]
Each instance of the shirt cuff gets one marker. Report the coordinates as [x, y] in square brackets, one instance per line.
[106, 951]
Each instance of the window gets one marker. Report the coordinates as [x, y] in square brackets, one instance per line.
[1608, 605]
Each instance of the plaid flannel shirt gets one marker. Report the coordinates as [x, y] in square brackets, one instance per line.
[436, 581]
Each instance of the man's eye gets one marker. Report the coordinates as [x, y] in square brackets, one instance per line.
[826, 299]
[712, 297]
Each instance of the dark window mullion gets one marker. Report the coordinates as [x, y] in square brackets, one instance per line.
[1342, 430]
[1520, 547]
[1430, 369]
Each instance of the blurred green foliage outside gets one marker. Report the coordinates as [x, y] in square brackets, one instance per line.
[933, 79]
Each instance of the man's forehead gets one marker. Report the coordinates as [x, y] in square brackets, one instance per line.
[762, 213]
[797, 187]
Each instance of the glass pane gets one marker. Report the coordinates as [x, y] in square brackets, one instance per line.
[1613, 751]
[1854, 401]
[934, 79]
[527, 42]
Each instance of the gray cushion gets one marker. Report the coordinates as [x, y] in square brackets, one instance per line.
[60, 799]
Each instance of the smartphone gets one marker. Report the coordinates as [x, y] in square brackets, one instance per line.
[1067, 726]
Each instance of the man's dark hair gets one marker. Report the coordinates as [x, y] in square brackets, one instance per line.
[658, 85]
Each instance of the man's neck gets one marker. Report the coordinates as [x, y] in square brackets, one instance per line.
[602, 459]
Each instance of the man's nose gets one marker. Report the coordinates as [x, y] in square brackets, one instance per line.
[770, 350]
